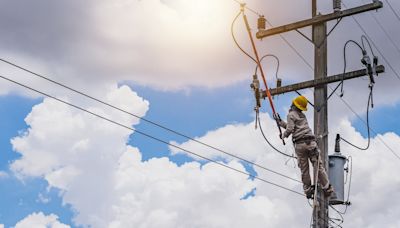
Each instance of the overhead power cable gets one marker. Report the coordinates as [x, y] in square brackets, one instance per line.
[386, 33]
[150, 136]
[368, 127]
[394, 11]
[362, 120]
[236, 42]
[269, 143]
[257, 113]
[292, 47]
[341, 98]
[375, 46]
[283, 38]
[144, 119]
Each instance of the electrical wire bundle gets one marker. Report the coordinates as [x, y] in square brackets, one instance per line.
[370, 68]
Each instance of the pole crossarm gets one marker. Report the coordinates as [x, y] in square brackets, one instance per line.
[319, 19]
[321, 81]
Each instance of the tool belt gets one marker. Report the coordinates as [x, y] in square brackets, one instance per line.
[306, 139]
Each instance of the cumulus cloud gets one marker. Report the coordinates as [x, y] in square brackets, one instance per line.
[371, 185]
[108, 185]
[40, 220]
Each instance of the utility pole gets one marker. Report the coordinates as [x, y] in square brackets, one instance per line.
[320, 82]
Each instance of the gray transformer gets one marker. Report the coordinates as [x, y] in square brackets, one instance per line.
[336, 173]
[336, 177]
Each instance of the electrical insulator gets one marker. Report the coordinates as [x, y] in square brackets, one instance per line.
[278, 82]
[255, 85]
[261, 23]
[337, 5]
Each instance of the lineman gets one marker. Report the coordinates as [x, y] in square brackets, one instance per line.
[305, 146]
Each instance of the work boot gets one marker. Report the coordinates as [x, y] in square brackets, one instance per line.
[329, 191]
[310, 192]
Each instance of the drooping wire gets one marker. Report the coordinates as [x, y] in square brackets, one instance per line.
[341, 98]
[141, 118]
[269, 143]
[319, 108]
[149, 136]
[277, 62]
[345, 64]
[362, 120]
[257, 114]
[236, 42]
[368, 127]
[363, 37]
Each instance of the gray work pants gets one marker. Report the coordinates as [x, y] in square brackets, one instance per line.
[308, 151]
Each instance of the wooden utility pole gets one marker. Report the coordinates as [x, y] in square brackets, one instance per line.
[319, 39]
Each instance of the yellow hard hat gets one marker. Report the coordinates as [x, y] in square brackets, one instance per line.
[301, 103]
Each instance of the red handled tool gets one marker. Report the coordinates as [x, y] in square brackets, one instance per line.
[275, 114]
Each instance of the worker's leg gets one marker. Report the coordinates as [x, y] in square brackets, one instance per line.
[302, 160]
[322, 175]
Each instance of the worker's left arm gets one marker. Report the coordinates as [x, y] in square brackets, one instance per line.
[290, 125]
[282, 123]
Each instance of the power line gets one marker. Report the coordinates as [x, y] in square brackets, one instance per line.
[379, 137]
[386, 33]
[144, 119]
[283, 38]
[269, 143]
[236, 42]
[292, 47]
[149, 136]
[394, 11]
[348, 106]
[368, 127]
[375, 46]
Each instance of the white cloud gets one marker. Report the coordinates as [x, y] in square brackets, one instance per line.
[106, 182]
[374, 193]
[39, 220]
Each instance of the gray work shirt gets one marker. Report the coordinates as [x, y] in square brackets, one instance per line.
[296, 125]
